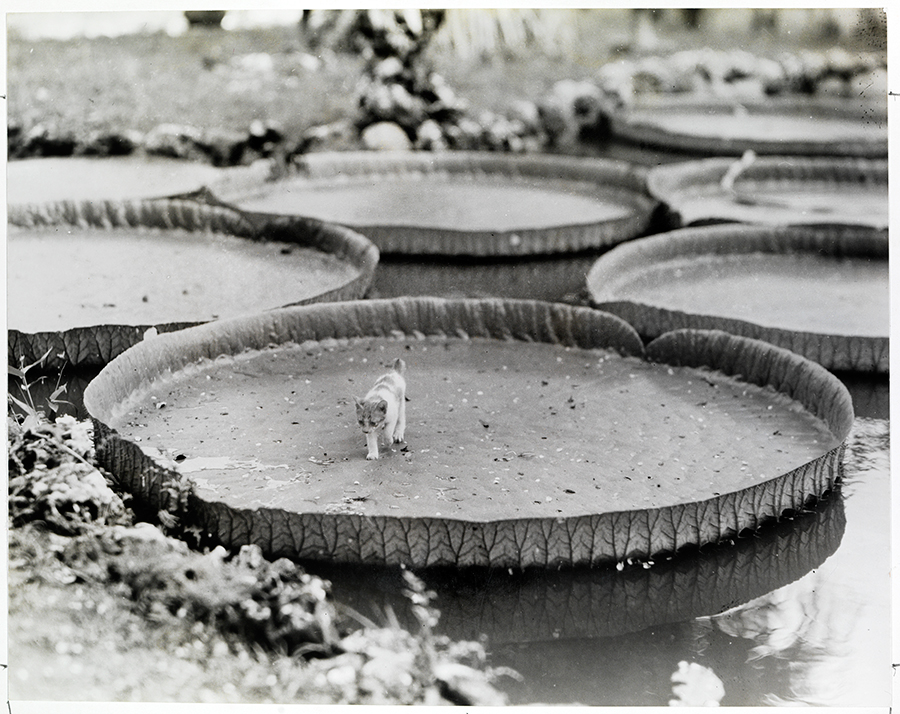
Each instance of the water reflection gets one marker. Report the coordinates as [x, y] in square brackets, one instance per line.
[870, 392]
[541, 605]
[802, 634]
[828, 632]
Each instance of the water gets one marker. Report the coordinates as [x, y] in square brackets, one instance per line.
[551, 278]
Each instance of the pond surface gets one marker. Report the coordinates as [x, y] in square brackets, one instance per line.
[551, 278]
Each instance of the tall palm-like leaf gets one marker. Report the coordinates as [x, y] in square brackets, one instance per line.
[467, 33]
[478, 33]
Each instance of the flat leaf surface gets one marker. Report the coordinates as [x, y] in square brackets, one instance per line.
[843, 296]
[757, 125]
[820, 291]
[83, 179]
[800, 204]
[770, 126]
[495, 430]
[776, 190]
[461, 203]
[531, 438]
[443, 202]
[62, 277]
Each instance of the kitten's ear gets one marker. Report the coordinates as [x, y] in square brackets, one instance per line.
[381, 406]
[359, 404]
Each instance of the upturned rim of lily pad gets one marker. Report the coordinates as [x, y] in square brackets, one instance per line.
[858, 353]
[679, 185]
[624, 181]
[629, 124]
[95, 345]
[442, 541]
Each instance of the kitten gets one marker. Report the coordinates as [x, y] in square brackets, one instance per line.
[384, 407]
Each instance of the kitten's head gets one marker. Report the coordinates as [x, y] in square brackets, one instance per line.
[370, 415]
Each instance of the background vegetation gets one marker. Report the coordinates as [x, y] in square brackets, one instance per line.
[226, 80]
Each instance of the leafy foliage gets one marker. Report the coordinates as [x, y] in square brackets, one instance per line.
[52, 481]
[464, 32]
[27, 405]
[391, 665]
[246, 599]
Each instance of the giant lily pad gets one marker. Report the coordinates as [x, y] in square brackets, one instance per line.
[86, 280]
[463, 203]
[770, 126]
[537, 433]
[819, 291]
[783, 190]
[47, 180]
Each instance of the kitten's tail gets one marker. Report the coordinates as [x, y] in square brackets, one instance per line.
[399, 366]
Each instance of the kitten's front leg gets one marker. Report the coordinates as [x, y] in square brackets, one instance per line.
[372, 444]
[400, 431]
